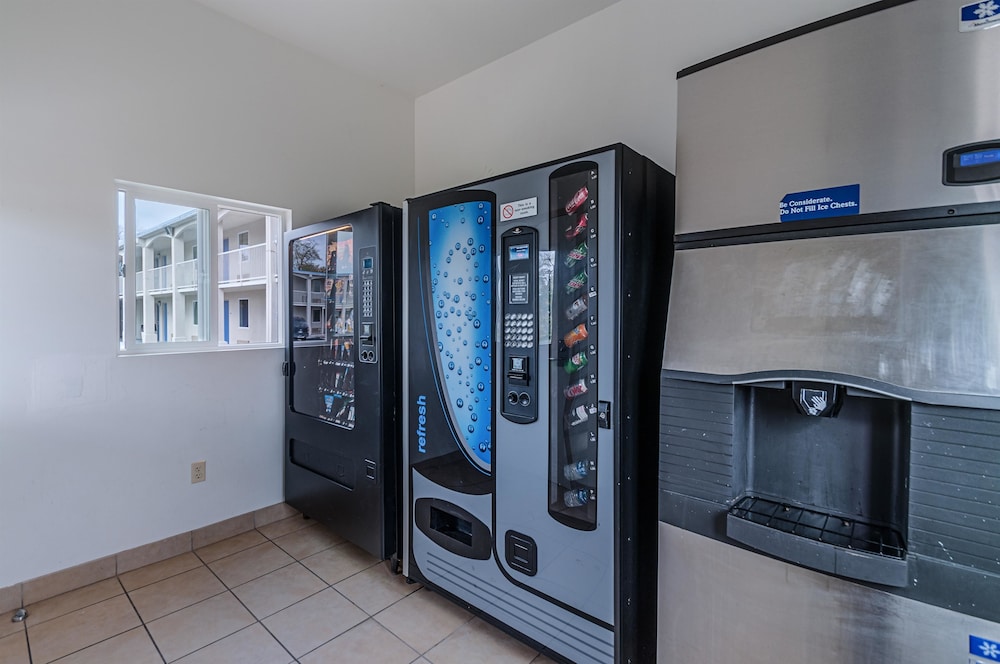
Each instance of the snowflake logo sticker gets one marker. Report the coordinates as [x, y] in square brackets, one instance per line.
[986, 9]
[984, 648]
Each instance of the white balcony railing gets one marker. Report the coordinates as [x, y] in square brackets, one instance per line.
[303, 298]
[156, 279]
[243, 264]
[186, 274]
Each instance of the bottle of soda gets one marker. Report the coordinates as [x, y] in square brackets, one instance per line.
[575, 336]
[576, 498]
[579, 198]
[575, 229]
[576, 363]
[576, 254]
[578, 416]
[575, 471]
[576, 282]
[578, 307]
[576, 389]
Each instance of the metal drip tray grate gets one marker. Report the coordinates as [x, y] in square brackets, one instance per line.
[819, 540]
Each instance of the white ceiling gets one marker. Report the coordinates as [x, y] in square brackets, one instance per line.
[413, 46]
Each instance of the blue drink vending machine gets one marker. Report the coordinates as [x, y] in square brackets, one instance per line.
[534, 314]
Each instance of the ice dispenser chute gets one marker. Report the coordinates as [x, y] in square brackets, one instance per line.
[824, 483]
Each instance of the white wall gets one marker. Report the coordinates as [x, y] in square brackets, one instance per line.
[610, 77]
[95, 450]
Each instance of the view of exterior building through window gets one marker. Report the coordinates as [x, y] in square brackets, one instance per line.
[171, 236]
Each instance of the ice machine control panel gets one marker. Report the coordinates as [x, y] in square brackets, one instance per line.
[369, 307]
[519, 247]
[975, 163]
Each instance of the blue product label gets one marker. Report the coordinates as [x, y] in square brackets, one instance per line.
[982, 648]
[461, 255]
[979, 15]
[821, 203]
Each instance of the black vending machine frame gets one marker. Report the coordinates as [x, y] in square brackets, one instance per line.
[365, 511]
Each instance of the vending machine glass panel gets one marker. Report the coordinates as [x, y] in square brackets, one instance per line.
[322, 269]
[573, 452]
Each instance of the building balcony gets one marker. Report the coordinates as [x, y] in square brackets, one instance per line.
[243, 266]
[181, 276]
[303, 298]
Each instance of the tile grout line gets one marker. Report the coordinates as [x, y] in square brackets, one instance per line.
[145, 627]
[257, 620]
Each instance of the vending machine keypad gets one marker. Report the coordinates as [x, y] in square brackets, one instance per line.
[369, 309]
[520, 341]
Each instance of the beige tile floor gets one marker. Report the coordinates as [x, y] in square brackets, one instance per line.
[290, 591]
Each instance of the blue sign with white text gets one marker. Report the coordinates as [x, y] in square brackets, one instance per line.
[821, 203]
[986, 649]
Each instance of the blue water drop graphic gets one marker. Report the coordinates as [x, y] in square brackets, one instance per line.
[438, 314]
[455, 299]
[458, 245]
[481, 386]
[459, 403]
[459, 371]
[471, 241]
[451, 309]
[441, 326]
[482, 248]
[473, 417]
[447, 260]
[459, 281]
[440, 345]
[479, 361]
[476, 324]
[468, 257]
[447, 332]
[472, 296]
[473, 253]
[461, 208]
[480, 219]
[486, 278]
[435, 282]
[465, 342]
[451, 365]
[440, 303]
[485, 343]
[472, 428]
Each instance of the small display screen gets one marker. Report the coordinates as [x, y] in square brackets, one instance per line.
[367, 263]
[520, 252]
[519, 364]
[979, 158]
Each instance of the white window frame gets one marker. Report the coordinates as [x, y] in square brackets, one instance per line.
[212, 314]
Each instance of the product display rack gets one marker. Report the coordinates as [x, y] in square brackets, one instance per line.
[573, 453]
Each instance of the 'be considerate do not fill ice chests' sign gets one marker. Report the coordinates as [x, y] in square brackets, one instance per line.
[821, 203]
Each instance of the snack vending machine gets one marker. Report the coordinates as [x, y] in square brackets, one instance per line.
[341, 427]
[532, 336]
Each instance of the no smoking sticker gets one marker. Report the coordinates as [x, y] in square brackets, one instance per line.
[526, 207]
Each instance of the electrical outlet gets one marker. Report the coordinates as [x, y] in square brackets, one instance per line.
[197, 472]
